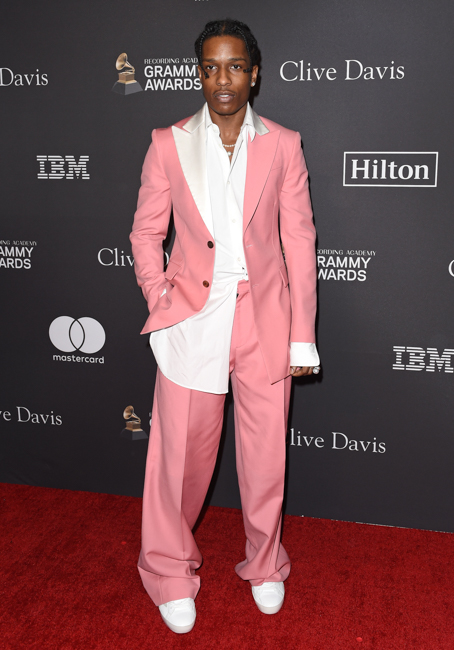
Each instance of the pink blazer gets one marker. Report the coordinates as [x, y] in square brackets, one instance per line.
[277, 208]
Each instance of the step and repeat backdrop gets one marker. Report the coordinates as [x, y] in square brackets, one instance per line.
[369, 87]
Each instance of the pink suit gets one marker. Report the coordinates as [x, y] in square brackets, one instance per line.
[277, 305]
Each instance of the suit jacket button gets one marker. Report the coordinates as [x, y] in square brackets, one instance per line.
[206, 283]
[210, 244]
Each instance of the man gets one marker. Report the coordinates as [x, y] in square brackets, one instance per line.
[227, 305]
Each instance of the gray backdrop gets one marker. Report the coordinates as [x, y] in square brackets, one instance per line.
[369, 87]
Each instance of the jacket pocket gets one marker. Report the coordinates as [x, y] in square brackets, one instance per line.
[284, 275]
[171, 270]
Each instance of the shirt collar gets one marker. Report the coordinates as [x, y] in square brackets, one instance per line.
[248, 122]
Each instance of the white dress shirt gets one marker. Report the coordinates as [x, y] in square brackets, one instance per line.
[195, 353]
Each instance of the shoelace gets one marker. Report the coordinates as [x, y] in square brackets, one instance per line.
[267, 588]
[174, 606]
[271, 586]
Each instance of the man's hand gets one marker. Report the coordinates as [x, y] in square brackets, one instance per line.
[298, 371]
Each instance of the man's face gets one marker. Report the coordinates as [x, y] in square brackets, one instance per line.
[227, 88]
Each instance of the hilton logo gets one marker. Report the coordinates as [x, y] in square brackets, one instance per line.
[59, 167]
[415, 359]
[390, 169]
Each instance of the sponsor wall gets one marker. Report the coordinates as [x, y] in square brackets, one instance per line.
[368, 87]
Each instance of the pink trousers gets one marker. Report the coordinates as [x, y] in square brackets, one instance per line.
[184, 439]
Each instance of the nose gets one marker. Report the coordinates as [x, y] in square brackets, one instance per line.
[223, 77]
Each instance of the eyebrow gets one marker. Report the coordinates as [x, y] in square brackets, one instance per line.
[239, 58]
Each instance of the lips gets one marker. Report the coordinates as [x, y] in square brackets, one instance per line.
[224, 96]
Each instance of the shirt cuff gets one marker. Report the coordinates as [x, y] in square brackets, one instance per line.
[304, 354]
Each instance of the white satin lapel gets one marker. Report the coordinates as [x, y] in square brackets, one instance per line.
[191, 149]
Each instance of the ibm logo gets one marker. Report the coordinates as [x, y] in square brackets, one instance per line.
[390, 168]
[58, 167]
[415, 359]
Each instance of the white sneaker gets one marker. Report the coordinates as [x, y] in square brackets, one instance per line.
[179, 615]
[269, 597]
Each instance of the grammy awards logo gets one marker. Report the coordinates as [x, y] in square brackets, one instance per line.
[133, 430]
[126, 84]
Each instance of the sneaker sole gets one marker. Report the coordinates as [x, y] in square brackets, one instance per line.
[270, 610]
[178, 629]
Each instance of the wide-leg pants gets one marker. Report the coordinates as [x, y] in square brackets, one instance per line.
[184, 439]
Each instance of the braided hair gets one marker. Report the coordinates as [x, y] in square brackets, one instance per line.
[229, 27]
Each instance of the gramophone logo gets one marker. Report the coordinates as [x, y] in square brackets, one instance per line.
[133, 429]
[126, 84]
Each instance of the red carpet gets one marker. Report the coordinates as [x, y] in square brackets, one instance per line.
[69, 582]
